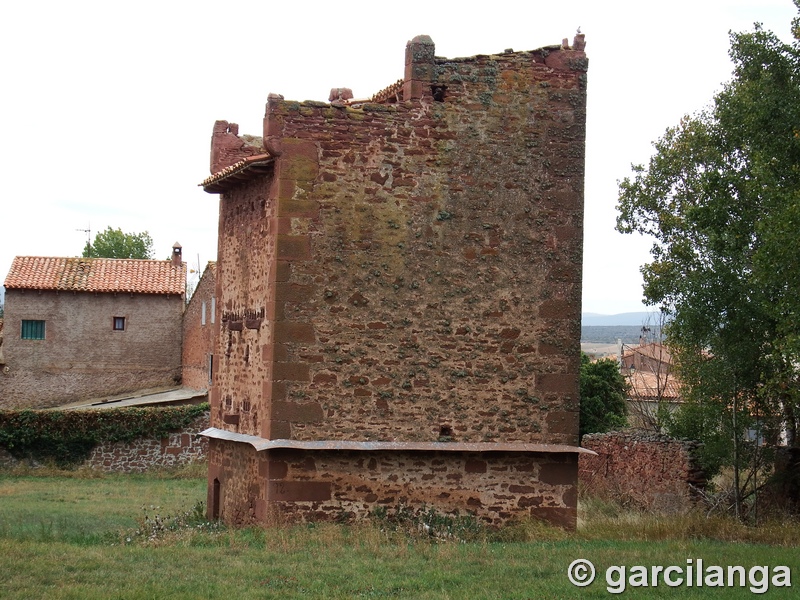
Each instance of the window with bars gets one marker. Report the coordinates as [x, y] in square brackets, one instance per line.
[32, 330]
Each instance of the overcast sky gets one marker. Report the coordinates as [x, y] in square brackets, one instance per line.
[109, 106]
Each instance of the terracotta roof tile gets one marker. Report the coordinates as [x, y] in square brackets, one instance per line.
[247, 168]
[392, 92]
[651, 350]
[96, 275]
[650, 385]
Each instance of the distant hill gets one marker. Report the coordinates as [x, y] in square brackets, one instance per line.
[607, 329]
[629, 318]
[609, 334]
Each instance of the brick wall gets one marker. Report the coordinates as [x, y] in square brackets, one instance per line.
[82, 357]
[648, 470]
[199, 336]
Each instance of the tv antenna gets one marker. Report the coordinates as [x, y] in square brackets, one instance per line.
[88, 233]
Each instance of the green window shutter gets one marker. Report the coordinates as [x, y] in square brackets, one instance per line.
[32, 330]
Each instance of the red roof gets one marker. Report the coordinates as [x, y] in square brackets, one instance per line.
[126, 275]
[653, 350]
[651, 386]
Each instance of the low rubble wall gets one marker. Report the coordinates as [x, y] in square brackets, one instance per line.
[641, 469]
[180, 448]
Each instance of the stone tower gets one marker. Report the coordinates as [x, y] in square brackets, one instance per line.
[399, 295]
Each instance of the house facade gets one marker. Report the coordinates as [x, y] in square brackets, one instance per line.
[399, 295]
[78, 328]
[653, 385]
[199, 320]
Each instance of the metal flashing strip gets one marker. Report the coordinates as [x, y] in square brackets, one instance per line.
[260, 444]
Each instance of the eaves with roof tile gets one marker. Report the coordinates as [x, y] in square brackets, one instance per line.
[244, 170]
[97, 275]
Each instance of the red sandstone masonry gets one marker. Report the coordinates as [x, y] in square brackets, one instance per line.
[414, 269]
[227, 148]
[245, 268]
[179, 448]
[384, 254]
[496, 487]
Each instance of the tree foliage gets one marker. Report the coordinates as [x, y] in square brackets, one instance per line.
[602, 391]
[721, 198]
[114, 243]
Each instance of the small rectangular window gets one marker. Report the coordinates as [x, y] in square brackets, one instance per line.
[119, 323]
[32, 330]
[203, 315]
[213, 308]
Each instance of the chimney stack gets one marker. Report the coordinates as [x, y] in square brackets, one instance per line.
[177, 254]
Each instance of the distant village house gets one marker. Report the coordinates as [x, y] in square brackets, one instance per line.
[78, 328]
[199, 325]
[654, 386]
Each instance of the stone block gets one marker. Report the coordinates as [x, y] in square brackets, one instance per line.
[299, 491]
[562, 422]
[292, 207]
[297, 412]
[560, 516]
[291, 371]
[293, 247]
[293, 332]
[559, 383]
[475, 466]
[559, 473]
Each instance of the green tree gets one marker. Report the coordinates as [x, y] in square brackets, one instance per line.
[721, 198]
[602, 390]
[113, 243]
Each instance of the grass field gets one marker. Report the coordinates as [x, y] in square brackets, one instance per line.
[76, 537]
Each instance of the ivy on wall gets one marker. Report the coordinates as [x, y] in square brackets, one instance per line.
[68, 437]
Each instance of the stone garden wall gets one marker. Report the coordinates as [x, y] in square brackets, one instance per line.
[180, 448]
[645, 470]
